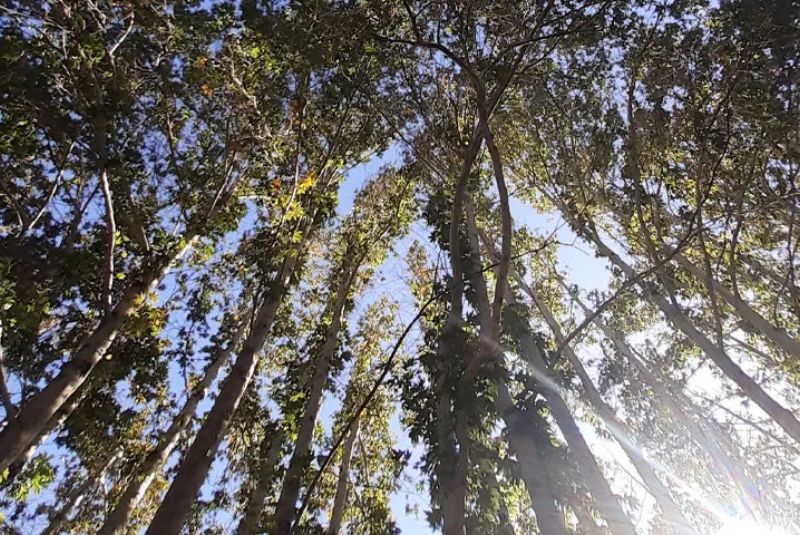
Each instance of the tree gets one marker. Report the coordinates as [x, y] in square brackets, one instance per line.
[270, 266]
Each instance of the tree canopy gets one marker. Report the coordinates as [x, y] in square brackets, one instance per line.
[394, 266]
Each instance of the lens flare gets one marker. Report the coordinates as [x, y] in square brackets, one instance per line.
[741, 526]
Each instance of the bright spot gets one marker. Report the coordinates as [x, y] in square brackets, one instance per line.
[743, 526]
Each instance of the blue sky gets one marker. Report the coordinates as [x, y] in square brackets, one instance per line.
[576, 261]
[580, 265]
[409, 503]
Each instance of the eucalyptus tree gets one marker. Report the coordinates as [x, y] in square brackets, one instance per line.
[380, 214]
[544, 368]
[709, 156]
[671, 394]
[476, 51]
[134, 99]
[420, 401]
[329, 126]
[368, 463]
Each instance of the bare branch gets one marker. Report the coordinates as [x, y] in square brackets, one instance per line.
[111, 233]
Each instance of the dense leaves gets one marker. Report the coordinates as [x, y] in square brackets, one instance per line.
[384, 266]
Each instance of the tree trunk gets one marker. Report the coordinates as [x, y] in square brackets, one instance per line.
[145, 474]
[453, 506]
[301, 456]
[58, 420]
[36, 412]
[733, 371]
[665, 389]
[623, 434]
[253, 512]
[342, 486]
[777, 335]
[194, 468]
[607, 502]
[549, 519]
[446, 446]
[77, 495]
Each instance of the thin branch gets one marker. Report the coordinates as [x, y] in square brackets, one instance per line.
[111, 233]
[121, 39]
[385, 369]
[59, 177]
[622, 289]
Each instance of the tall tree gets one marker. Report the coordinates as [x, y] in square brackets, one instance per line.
[380, 213]
[581, 217]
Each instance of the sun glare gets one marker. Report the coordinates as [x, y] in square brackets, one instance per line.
[748, 527]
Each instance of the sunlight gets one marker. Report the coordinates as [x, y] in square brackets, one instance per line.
[740, 526]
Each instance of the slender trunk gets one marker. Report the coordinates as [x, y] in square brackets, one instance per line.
[607, 502]
[58, 420]
[194, 468]
[145, 474]
[778, 336]
[621, 431]
[446, 446]
[35, 413]
[677, 403]
[111, 240]
[253, 512]
[549, 519]
[77, 495]
[452, 505]
[301, 456]
[733, 371]
[504, 258]
[342, 486]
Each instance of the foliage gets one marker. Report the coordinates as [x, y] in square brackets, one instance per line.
[585, 213]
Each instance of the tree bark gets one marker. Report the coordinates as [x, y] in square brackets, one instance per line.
[58, 420]
[35, 413]
[549, 519]
[733, 371]
[194, 468]
[145, 474]
[286, 508]
[343, 484]
[253, 512]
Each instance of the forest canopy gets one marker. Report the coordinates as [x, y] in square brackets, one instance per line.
[400, 266]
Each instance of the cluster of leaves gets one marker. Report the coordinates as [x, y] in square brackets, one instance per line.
[176, 279]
